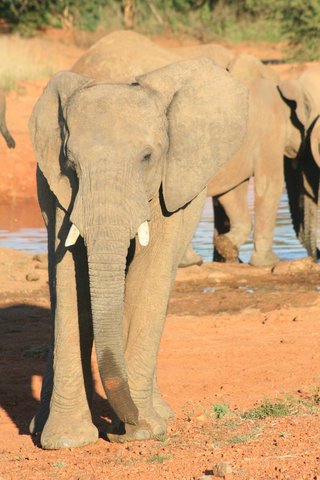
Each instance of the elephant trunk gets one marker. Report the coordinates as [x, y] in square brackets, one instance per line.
[112, 212]
[3, 127]
[107, 248]
[302, 181]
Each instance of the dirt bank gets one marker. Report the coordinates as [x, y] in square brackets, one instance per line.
[235, 335]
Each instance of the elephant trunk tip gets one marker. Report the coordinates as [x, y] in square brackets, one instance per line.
[120, 400]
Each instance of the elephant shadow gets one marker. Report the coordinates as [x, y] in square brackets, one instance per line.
[24, 338]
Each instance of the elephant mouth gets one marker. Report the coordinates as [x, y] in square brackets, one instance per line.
[143, 235]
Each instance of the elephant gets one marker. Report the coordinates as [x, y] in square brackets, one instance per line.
[124, 54]
[282, 122]
[3, 126]
[122, 170]
[302, 177]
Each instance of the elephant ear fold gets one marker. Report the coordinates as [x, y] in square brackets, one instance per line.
[46, 127]
[207, 117]
[292, 91]
[315, 141]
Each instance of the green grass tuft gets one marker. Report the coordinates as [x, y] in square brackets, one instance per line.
[159, 458]
[268, 409]
[220, 409]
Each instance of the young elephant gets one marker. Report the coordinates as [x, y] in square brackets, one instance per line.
[115, 162]
[281, 122]
[3, 126]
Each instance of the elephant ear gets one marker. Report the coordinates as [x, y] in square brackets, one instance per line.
[207, 117]
[292, 91]
[47, 131]
[315, 141]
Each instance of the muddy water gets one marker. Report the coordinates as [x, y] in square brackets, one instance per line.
[22, 228]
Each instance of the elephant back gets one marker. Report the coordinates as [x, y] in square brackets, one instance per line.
[122, 56]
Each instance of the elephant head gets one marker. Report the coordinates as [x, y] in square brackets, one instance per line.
[303, 160]
[248, 68]
[106, 149]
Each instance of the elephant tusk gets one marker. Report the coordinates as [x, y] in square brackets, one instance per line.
[143, 234]
[72, 236]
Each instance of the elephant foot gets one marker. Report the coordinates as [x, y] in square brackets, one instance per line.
[150, 427]
[225, 251]
[162, 407]
[63, 431]
[264, 260]
[190, 258]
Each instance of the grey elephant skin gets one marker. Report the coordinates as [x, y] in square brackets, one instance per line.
[112, 157]
[3, 126]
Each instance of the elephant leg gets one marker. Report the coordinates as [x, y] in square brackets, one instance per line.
[232, 223]
[268, 189]
[149, 281]
[69, 423]
[47, 205]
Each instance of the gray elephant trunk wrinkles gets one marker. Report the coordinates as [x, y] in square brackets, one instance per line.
[109, 225]
[107, 247]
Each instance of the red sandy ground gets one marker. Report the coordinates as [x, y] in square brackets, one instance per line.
[234, 335]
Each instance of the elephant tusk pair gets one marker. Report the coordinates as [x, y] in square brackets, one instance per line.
[143, 235]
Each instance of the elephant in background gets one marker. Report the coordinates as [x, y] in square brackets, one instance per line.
[121, 56]
[282, 122]
[124, 54]
[122, 175]
[3, 126]
[302, 176]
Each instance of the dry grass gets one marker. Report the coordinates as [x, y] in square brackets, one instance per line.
[27, 59]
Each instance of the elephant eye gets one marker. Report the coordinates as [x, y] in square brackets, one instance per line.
[147, 155]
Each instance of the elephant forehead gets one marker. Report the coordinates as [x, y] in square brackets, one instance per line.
[113, 115]
[119, 104]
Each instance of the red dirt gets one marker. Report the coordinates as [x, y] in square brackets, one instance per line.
[234, 335]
